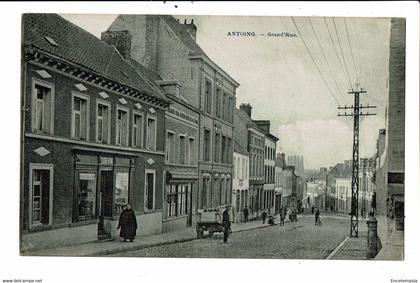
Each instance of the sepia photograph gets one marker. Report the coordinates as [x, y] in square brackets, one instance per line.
[151, 134]
[133, 133]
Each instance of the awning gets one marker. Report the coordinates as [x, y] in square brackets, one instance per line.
[177, 176]
[104, 151]
[278, 190]
[87, 176]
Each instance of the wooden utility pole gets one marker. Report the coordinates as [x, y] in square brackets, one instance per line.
[356, 114]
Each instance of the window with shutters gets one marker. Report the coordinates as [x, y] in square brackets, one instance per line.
[41, 184]
[103, 122]
[182, 149]
[42, 107]
[151, 133]
[191, 151]
[170, 147]
[121, 129]
[80, 117]
[137, 130]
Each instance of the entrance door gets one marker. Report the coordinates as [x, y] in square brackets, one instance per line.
[105, 199]
[189, 196]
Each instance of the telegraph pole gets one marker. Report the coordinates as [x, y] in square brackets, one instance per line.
[356, 114]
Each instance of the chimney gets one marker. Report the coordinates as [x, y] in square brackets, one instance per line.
[171, 87]
[191, 29]
[264, 125]
[120, 39]
[247, 108]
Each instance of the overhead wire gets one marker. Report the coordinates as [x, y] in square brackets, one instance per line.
[325, 58]
[351, 52]
[342, 53]
[313, 60]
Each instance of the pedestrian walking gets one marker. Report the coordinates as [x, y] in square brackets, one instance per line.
[226, 224]
[317, 220]
[246, 213]
[128, 224]
[264, 216]
[282, 216]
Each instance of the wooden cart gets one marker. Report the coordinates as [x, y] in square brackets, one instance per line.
[209, 221]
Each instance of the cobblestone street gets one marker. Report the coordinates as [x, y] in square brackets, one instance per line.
[297, 240]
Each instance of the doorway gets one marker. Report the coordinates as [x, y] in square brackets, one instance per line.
[105, 199]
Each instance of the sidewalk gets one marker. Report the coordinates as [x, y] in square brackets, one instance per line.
[117, 246]
[352, 248]
[393, 249]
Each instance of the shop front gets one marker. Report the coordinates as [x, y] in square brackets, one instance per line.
[179, 201]
[101, 187]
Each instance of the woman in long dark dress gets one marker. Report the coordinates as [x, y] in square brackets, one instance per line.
[128, 224]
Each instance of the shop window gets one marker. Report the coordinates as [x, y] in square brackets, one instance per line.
[86, 195]
[121, 191]
[182, 199]
[103, 126]
[149, 198]
[121, 132]
[191, 151]
[137, 130]
[80, 117]
[171, 198]
[182, 150]
[170, 147]
[43, 107]
[40, 194]
[151, 133]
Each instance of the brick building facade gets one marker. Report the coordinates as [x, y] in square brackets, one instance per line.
[91, 137]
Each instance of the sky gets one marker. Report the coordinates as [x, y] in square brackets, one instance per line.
[281, 82]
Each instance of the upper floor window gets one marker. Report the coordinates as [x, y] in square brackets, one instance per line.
[224, 105]
[216, 147]
[80, 117]
[43, 107]
[224, 150]
[170, 147]
[137, 130]
[218, 94]
[182, 150]
[121, 131]
[151, 133]
[231, 110]
[208, 96]
[191, 151]
[103, 125]
[206, 145]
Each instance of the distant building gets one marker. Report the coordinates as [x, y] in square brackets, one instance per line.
[297, 162]
[270, 143]
[246, 130]
[240, 184]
